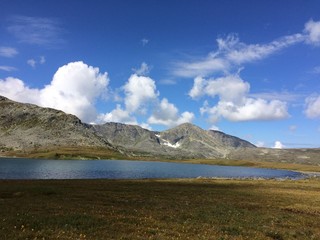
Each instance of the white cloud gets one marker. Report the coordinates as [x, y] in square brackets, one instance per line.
[228, 88]
[214, 128]
[281, 96]
[8, 52]
[260, 144]
[142, 97]
[312, 109]
[143, 70]
[234, 103]
[8, 68]
[32, 63]
[239, 53]
[203, 67]
[278, 145]
[74, 89]
[139, 91]
[198, 88]
[15, 89]
[118, 115]
[35, 30]
[312, 29]
[231, 52]
[167, 114]
[250, 110]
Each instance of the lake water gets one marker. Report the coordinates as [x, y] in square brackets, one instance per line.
[14, 168]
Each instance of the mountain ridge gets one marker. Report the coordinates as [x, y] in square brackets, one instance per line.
[27, 128]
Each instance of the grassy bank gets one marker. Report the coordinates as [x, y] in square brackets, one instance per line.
[160, 209]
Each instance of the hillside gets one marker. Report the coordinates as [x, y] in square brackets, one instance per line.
[185, 140]
[27, 127]
[30, 130]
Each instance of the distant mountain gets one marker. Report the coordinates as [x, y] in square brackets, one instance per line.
[185, 140]
[27, 128]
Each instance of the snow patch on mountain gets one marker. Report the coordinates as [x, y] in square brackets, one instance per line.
[167, 143]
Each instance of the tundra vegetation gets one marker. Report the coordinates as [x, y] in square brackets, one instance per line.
[160, 209]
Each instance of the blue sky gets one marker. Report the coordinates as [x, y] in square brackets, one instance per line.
[247, 68]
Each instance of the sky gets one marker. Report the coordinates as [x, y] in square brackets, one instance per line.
[247, 68]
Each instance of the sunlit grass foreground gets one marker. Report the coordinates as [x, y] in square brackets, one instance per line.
[160, 209]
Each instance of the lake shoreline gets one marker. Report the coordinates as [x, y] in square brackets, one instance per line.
[20, 168]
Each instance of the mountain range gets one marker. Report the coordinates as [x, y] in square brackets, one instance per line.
[27, 128]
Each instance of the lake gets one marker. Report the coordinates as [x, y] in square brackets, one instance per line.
[19, 168]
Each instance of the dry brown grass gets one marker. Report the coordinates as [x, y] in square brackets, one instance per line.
[160, 209]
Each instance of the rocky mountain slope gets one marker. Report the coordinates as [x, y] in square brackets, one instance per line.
[27, 126]
[185, 140]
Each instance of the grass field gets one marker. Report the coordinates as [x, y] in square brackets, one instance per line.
[160, 209]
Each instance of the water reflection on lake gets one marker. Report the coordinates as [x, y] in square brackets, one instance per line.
[14, 168]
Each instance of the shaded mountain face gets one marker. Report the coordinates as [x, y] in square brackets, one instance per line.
[27, 126]
[131, 137]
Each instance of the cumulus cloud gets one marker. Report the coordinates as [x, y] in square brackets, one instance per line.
[233, 101]
[15, 89]
[312, 29]
[142, 98]
[75, 87]
[214, 128]
[8, 52]
[139, 90]
[312, 107]
[228, 88]
[249, 110]
[278, 145]
[167, 114]
[260, 144]
[118, 115]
